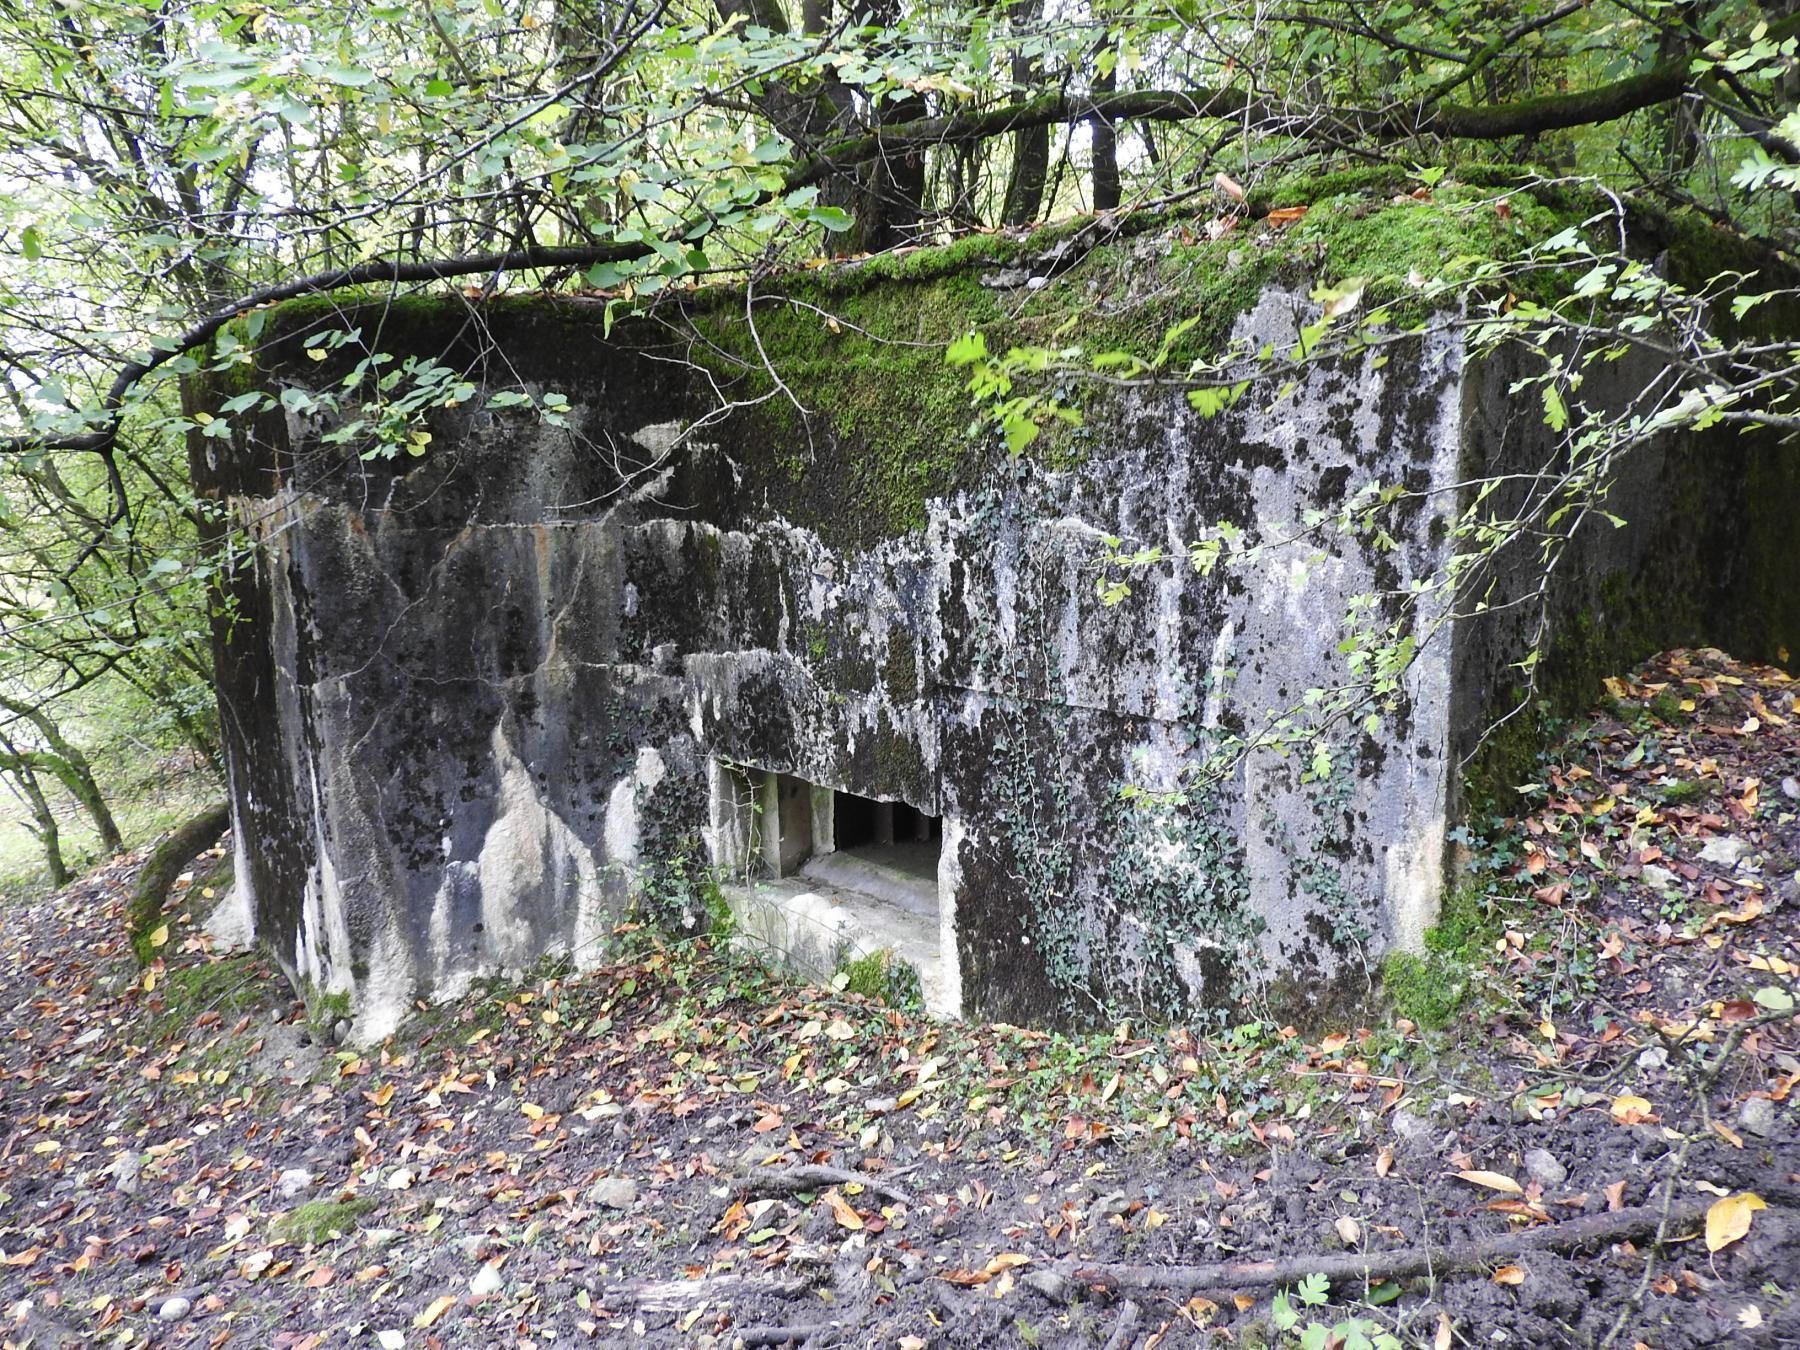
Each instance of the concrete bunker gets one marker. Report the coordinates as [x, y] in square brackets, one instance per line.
[482, 704]
[820, 878]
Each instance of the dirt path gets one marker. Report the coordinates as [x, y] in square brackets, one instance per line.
[634, 1155]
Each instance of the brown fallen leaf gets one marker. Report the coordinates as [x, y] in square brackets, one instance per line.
[1509, 1275]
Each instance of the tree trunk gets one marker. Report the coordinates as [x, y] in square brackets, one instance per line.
[71, 768]
[49, 838]
[160, 870]
[1107, 191]
[1024, 201]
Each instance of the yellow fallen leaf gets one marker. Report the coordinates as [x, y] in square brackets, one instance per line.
[532, 1110]
[1629, 1110]
[1729, 1219]
[841, 1210]
[1752, 908]
[1494, 1181]
[439, 1306]
[1509, 1275]
[160, 936]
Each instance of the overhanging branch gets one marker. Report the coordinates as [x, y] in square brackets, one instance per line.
[1662, 83]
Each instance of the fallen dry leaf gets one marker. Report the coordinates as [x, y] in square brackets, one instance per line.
[439, 1306]
[843, 1212]
[1494, 1181]
[1729, 1219]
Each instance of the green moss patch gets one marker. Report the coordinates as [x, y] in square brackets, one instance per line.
[320, 1221]
[882, 976]
[229, 986]
[860, 347]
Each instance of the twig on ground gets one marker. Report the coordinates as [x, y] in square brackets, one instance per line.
[1123, 1334]
[680, 1295]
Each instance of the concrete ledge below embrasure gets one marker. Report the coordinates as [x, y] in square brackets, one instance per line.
[812, 926]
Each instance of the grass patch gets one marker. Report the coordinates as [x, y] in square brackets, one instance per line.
[882, 976]
[145, 810]
[320, 1221]
[229, 986]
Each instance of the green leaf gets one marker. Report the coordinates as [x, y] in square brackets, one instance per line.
[31, 243]
[1773, 998]
[967, 349]
[833, 218]
[1020, 432]
[1556, 412]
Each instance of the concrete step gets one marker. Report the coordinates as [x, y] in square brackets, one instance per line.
[814, 925]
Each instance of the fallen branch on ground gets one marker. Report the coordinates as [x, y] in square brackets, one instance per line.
[787, 1180]
[166, 863]
[799, 1335]
[1619, 1226]
[681, 1295]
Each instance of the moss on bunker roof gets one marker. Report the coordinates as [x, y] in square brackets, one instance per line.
[859, 345]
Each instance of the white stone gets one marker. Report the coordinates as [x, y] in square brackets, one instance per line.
[174, 1309]
[1726, 850]
[487, 1281]
[613, 1192]
[1542, 1167]
[294, 1180]
[1758, 1117]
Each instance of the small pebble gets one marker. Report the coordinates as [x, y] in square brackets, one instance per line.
[1758, 1117]
[174, 1309]
[1542, 1167]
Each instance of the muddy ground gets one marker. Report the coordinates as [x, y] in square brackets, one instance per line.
[621, 1157]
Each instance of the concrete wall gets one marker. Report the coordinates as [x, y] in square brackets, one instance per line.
[477, 702]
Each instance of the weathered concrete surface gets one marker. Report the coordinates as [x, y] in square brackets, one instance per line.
[477, 702]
